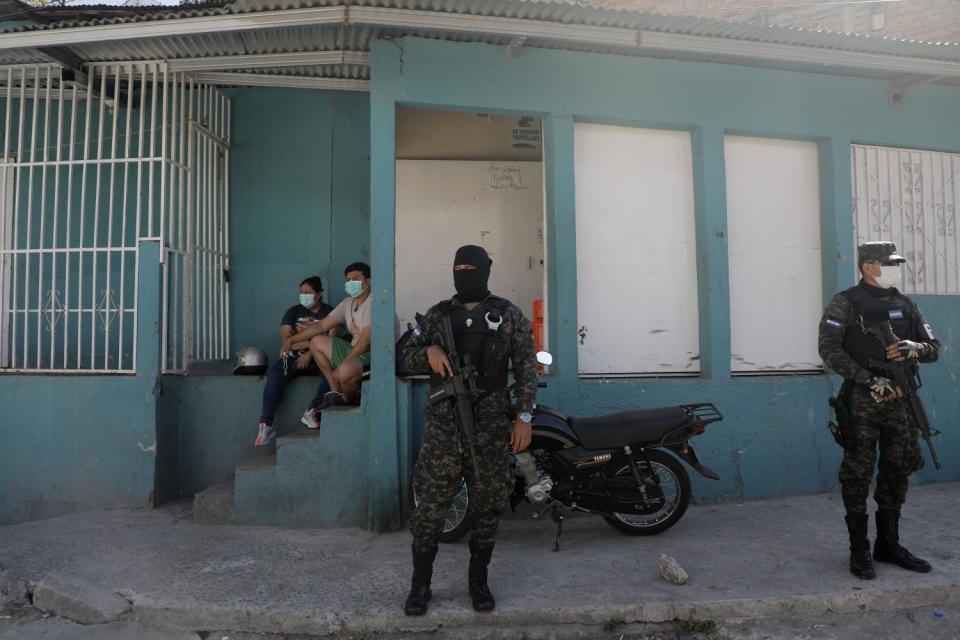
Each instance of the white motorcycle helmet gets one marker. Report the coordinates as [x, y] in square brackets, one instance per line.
[251, 361]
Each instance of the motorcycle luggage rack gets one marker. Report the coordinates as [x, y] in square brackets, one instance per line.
[707, 412]
[702, 412]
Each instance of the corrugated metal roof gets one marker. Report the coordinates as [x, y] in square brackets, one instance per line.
[23, 56]
[357, 37]
[562, 11]
[572, 12]
[114, 15]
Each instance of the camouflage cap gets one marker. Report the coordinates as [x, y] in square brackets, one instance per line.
[881, 251]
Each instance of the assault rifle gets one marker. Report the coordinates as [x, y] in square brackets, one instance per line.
[907, 379]
[461, 388]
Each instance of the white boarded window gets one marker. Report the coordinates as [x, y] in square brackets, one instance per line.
[443, 204]
[773, 226]
[910, 197]
[636, 251]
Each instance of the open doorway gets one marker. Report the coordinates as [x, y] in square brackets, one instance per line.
[469, 178]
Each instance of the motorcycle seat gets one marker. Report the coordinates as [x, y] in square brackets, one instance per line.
[615, 430]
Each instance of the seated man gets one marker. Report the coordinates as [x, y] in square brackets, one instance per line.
[296, 358]
[342, 363]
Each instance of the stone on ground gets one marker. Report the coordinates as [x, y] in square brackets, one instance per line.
[671, 570]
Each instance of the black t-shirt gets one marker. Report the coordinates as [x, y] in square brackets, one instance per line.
[299, 317]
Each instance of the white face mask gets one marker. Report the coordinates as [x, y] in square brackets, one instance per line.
[890, 276]
[307, 299]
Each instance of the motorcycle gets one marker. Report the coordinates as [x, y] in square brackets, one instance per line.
[623, 466]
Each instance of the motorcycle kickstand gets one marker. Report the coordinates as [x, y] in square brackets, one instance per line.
[558, 518]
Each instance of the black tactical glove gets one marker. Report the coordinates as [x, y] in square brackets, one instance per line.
[881, 388]
[910, 350]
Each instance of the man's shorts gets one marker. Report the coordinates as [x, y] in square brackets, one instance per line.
[341, 349]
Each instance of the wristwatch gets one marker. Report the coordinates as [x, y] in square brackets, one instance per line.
[525, 417]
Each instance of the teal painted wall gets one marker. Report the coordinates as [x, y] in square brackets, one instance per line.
[773, 440]
[299, 206]
[80, 442]
[299, 192]
[299, 201]
[75, 443]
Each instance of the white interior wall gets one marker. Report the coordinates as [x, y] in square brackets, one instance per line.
[443, 204]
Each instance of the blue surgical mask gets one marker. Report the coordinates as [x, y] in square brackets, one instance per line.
[307, 299]
[353, 288]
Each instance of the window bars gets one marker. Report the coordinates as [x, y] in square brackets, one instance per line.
[911, 197]
[196, 302]
[90, 168]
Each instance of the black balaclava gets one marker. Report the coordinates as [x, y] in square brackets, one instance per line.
[471, 284]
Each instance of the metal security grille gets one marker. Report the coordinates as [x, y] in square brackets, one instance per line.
[91, 168]
[196, 275]
[911, 197]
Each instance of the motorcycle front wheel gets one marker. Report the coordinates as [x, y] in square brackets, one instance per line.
[455, 522]
[674, 484]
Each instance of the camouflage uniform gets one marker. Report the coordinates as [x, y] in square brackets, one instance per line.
[886, 423]
[444, 456]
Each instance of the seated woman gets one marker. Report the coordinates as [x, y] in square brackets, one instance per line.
[296, 360]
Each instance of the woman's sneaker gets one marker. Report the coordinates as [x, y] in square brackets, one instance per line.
[265, 435]
[311, 418]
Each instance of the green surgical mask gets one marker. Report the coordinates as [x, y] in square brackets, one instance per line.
[353, 288]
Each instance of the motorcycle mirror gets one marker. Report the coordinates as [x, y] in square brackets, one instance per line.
[544, 358]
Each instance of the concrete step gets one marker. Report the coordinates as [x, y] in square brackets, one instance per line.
[259, 462]
[214, 505]
[299, 436]
[310, 480]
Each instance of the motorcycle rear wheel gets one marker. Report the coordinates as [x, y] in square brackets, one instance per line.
[455, 522]
[675, 485]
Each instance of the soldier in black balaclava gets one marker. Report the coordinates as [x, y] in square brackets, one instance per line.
[471, 283]
[492, 332]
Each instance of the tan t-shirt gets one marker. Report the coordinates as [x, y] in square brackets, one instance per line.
[354, 317]
[357, 319]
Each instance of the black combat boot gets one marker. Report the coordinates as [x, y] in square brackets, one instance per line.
[477, 581]
[419, 596]
[860, 563]
[888, 549]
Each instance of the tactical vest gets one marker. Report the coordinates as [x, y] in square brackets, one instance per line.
[481, 342]
[870, 309]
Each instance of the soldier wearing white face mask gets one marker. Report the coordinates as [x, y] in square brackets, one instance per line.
[871, 400]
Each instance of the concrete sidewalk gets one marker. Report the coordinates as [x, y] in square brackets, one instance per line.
[784, 557]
